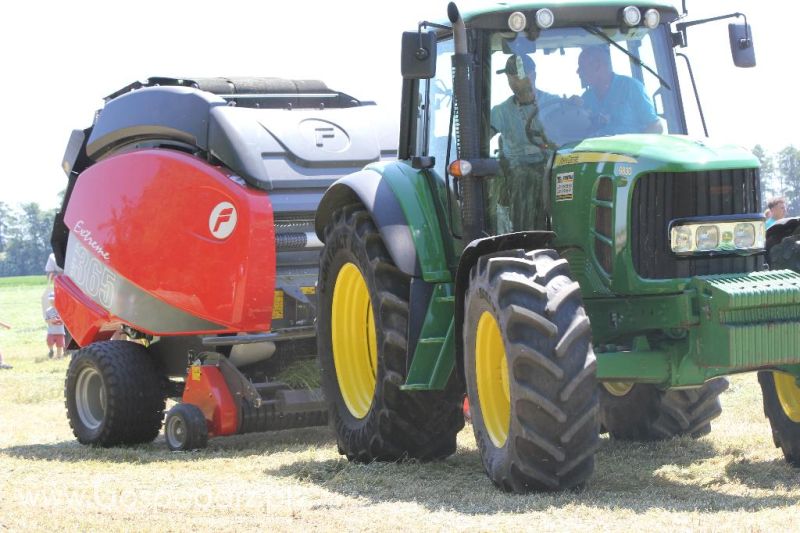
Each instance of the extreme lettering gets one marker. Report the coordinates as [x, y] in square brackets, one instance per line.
[86, 235]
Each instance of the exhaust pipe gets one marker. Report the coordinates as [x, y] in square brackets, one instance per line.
[472, 209]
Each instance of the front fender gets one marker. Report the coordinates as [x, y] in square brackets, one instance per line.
[403, 207]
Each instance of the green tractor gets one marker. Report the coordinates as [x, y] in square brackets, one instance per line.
[594, 269]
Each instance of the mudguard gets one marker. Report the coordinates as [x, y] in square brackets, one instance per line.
[401, 203]
[166, 243]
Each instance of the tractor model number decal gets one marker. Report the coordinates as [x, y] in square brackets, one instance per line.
[565, 186]
[222, 221]
[92, 276]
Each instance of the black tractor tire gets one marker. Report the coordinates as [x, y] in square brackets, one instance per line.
[783, 247]
[646, 413]
[547, 383]
[388, 424]
[114, 394]
[185, 428]
[785, 430]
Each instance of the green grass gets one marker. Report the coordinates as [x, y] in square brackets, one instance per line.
[23, 281]
[732, 480]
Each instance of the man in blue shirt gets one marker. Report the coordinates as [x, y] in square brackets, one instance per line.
[619, 103]
[777, 210]
[516, 195]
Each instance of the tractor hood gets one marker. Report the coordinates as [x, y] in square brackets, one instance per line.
[675, 152]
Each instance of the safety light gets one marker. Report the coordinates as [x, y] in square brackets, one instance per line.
[460, 168]
[517, 21]
[651, 18]
[704, 237]
[545, 18]
[631, 16]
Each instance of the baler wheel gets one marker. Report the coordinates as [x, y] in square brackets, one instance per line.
[362, 340]
[185, 428]
[114, 394]
[781, 397]
[530, 372]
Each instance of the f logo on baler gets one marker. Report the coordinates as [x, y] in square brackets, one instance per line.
[222, 221]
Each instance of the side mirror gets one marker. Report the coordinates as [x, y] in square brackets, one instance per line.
[418, 56]
[741, 36]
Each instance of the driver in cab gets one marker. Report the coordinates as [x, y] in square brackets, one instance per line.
[516, 119]
[515, 197]
[619, 104]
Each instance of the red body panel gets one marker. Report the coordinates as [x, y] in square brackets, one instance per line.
[206, 388]
[87, 319]
[178, 229]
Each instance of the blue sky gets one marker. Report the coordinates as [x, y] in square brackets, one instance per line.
[59, 61]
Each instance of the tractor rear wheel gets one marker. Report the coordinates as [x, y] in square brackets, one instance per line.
[530, 372]
[362, 341]
[781, 397]
[642, 412]
[114, 394]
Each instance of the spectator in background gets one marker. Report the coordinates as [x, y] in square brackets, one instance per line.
[4, 366]
[51, 268]
[777, 210]
[55, 330]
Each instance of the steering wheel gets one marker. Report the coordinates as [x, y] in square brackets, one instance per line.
[565, 121]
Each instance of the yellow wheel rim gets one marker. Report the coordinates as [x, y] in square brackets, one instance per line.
[491, 369]
[788, 395]
[355, 344]
[618, 388]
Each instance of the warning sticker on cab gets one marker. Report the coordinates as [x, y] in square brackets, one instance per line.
[565, 186]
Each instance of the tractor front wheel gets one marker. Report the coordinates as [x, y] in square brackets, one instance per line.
[362, 340]
[530, 372]
[781, 397]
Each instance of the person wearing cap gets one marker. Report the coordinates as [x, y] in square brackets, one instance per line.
[523, 148]
[619, 104]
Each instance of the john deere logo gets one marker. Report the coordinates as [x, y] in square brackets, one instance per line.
[222, 221]
[325, 135]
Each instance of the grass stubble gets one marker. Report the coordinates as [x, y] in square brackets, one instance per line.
[731, 480]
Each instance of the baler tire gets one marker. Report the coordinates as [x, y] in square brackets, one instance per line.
[114, 394]
[526, 308]
[387, 423]
[647, 413]
[185, 428]
[785, 430]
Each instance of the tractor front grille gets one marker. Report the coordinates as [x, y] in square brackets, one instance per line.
[661, 197]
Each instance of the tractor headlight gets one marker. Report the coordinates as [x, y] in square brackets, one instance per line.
[651, 18]
[545, 18]
[517, 21]
[745, 235]
[631, 16]
[707, 238]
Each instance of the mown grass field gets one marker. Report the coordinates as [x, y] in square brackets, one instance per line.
[732, 480]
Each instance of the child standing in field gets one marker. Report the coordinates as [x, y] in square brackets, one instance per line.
[4, 366]
[55, 329]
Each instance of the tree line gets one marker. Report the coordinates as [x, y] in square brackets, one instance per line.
[780, 176]
[24, 238]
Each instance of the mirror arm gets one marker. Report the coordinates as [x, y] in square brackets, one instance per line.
[681, 27]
